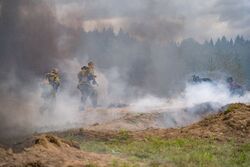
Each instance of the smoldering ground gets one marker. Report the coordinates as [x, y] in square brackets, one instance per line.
[22, 116]
[39, 35]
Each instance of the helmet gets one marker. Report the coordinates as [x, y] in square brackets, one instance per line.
[195, 77]
[84, 67]
[90, 63]
[54, 70]
[230, 79]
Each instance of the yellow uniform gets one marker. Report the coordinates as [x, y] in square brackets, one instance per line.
[86, 81]
[54, 80]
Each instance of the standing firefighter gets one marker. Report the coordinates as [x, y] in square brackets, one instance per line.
[87, 83]
[50, 87]
[235, 88]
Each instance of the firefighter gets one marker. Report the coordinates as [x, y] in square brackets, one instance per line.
[53, 79]
[86, 85]
[235, 88]
[50, 87]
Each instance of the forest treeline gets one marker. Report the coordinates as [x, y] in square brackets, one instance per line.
[159, 66]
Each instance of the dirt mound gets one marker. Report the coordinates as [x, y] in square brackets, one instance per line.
[156, 118]
[49, 150]
[232, 123]
[130, 121]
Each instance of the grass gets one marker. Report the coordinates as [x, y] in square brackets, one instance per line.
[233, 107]
[91, 165]
[156, 152]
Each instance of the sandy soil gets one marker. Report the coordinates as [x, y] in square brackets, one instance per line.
[51, 149]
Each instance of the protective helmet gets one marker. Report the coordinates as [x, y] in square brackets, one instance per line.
[90, 63]
[230, 79]
[54, 70]
[195, 77]
[84, 67]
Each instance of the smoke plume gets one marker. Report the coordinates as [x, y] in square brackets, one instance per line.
[132, 45]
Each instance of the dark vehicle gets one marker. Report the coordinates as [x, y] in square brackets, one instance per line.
[197, 79]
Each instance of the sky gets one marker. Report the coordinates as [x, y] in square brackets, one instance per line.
[160, 19]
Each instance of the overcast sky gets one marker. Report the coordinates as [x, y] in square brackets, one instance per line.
[160, 19]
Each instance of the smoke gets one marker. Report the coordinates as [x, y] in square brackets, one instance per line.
[28, 30]
[193, 95]
[144, 77]
[145, 20]
[191, 105]
[29, 46]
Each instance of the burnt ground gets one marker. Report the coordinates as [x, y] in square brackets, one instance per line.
[51, 149]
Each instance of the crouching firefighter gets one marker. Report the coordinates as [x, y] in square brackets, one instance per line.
[87, 85]
[49, 88]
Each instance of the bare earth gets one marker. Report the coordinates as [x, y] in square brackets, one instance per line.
[51, 149]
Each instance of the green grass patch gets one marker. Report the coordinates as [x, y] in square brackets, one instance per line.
[156, 152]
[91, 165]
[233, 107]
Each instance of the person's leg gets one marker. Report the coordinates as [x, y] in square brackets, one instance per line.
[84, 96]
[83, 100]
[48, 100]
[52, 104]
[93, 97]
[44, 107]
[52, 101]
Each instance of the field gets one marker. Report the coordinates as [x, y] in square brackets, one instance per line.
[173, 152]
[221, 139]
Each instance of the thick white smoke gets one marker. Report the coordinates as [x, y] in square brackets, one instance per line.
[211, 93]
[35, 41]
[193, 94]
[189, 106]
[195, 102]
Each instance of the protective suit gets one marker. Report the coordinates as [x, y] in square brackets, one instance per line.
[87, 86]
[53, 79]
[235, 88]
[49, 87]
